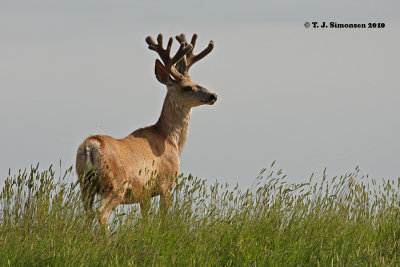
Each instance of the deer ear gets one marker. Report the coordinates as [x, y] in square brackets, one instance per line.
[162, 74]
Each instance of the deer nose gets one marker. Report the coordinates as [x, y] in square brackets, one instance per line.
[213, 97]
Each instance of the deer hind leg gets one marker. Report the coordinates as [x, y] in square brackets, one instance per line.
[112, 200]
[88, 194]
[88, 190]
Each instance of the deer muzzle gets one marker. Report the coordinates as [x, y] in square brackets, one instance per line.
[212, 98]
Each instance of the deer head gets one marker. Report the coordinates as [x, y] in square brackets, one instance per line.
[174, 72]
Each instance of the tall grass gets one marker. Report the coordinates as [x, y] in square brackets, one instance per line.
[347, 220]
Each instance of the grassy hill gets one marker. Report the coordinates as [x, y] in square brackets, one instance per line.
[347, 220]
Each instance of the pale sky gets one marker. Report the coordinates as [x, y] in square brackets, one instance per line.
[308, 98]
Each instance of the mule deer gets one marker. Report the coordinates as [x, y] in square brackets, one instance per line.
[145, 163]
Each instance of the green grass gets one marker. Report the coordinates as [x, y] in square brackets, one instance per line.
[347, 220]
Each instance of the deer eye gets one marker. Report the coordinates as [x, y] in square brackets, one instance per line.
[187, 88]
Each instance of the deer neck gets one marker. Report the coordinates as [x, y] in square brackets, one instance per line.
[174, 122]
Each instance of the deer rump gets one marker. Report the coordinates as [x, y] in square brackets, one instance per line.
[128, 166]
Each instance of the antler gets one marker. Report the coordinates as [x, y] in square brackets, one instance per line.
[165, 53]
[186, 62]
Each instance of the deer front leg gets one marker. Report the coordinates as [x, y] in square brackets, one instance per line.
[144, 208]
[165, 202]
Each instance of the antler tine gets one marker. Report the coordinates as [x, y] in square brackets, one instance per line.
[181, 38]
[191, 58]
[160, 40]
[150, 41]
[182, 64]
[194, 39]
[202, 54]
[169, 45]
